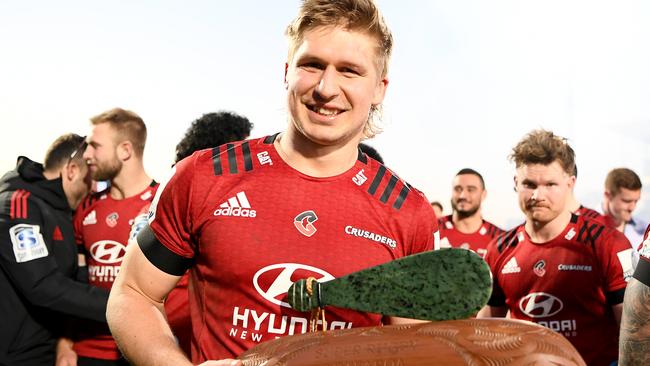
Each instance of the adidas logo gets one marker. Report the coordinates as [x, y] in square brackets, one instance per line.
[90, 219]
[236, 206]
[511, 267]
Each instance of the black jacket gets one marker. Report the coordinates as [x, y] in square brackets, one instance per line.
[39, 275]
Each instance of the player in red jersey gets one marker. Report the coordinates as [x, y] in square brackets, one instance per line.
[558, 269]
[249, 218]
[465, 227]
[635, 326]
[103, 221]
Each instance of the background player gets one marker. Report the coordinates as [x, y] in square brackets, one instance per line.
[559, 269]
[622, 193]
[103, 222]
[249, 218]
[465, 227]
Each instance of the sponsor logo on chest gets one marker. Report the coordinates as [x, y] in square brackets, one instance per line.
[272, 283]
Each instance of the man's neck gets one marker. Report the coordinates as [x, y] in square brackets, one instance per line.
[315, 160]
[129, 182]
[467, 224]
[544, 232]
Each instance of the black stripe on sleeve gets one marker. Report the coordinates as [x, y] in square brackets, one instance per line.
[161, 257]
[377, 180]
[389, 189]
[615, 297]
[642, 272]
[216, 161]
[583, 228]
[232, 158]
[270, 139]
[248, 162]
[402, 196]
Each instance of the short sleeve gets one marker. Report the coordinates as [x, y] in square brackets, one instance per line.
[169, 215]
[426, 229]
[617, 262]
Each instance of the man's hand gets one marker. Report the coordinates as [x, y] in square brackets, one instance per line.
[65, 355]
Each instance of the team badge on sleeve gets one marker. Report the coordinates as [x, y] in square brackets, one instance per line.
[28, 243]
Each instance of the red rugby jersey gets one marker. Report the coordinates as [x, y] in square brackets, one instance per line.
[102, 226]
[251, 225]
[568, 284]
[477, 241]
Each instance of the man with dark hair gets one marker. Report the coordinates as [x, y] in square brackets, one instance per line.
[622, 193]
[465, 227]
[103, 222]
[40, 280]
[558, 269]
[211, 130]
[250, 217]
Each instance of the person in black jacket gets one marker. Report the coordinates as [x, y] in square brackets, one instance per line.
[41, 283]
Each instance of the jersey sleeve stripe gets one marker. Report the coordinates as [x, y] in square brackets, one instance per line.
[375, 182]
[597, 234]
[216, 161]
[160, 256]
[232, 158]
[402, 197]
[389, 189]
[270, 139]
[12, 209]
[24, 202]
[248, 162]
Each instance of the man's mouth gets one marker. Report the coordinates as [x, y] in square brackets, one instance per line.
[324, 111]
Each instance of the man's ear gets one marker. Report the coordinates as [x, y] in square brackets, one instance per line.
[70, 171]
[514, 180]
[125, 150]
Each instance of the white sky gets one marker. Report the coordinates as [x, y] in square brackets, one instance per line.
[467, 80]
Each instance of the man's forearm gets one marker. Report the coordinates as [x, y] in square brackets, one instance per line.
[141, 330]
[635, 327]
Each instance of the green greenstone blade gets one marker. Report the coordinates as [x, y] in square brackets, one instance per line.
[444, 284]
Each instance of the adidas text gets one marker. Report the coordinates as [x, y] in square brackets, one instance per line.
[237, 211]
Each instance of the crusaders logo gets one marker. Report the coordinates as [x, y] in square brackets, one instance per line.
[304, 222]
[538, 268]
[111, 220]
